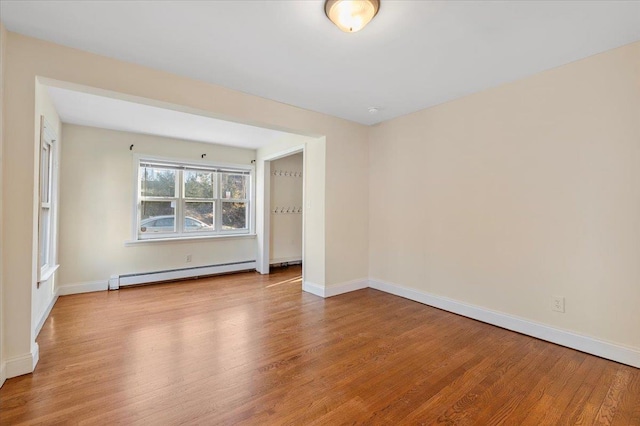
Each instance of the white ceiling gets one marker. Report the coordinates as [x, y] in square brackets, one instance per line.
[413, 55]
[108, 113]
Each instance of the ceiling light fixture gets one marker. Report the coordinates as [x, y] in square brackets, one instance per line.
[351, 15]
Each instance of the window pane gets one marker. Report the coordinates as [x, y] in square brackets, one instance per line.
[157, 216]
[164, 222]
[157, 182]
[45, 163]
[234, 215]
[45, 215]
[198, 217]
[198, 184]
[233, 186]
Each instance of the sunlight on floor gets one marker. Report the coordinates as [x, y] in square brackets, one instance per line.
[289, 281]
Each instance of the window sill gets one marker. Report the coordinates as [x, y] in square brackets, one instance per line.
[189, 239]
[48, 273]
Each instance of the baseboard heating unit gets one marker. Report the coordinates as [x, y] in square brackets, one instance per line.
[117, 281]
[285, 263]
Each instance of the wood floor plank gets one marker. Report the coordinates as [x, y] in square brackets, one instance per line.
[545, 400]
[609, 407]
[250, 349]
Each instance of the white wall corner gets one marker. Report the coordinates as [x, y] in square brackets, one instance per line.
[346, 287]
[335, 289]
[590, 345]
[3, 373]
[22, 364]
[46, 313]
[86, 287]
[313, 288]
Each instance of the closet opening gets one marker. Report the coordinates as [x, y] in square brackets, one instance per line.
[286, 211]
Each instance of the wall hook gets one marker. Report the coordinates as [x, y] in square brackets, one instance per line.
[131, 147]
[203, 155]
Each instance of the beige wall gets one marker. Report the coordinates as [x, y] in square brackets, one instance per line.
[42, 295]
[345, 232]
[509, 196]
[3, 44]
[96, 215]
[346, 188]
[286, 193]
[19, 221]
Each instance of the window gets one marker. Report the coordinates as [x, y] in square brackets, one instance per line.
[46, 214]
[177, 200]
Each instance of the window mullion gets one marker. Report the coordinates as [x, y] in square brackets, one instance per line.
[218, 203]
[200, 200]
[180, 203]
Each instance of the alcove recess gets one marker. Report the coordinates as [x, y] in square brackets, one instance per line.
[286, 210]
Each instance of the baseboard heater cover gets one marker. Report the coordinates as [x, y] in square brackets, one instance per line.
[285, 262]
[117, 281]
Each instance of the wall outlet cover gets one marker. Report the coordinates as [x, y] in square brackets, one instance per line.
[557, 303]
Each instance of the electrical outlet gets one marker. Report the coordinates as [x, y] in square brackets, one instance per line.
[188, 258]
[557, 303]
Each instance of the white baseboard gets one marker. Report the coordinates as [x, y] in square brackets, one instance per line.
[46, 313]
[78, 288]
[590, 345]
[23, 364]
[334, 289]
[625, 355]
[35, 356]
[346, 287]
[313, 288]
[124, 280]
[3, 373]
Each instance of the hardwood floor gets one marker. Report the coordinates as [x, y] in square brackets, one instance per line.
[251, 349]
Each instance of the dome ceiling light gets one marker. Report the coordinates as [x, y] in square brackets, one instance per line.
[351, 15]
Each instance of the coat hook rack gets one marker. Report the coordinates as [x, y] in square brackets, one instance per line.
[285, 210]
[286, 173]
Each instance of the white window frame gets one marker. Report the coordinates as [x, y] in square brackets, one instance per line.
[47, 201]
[181, 165]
